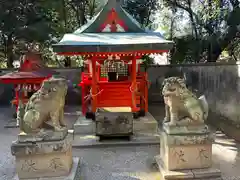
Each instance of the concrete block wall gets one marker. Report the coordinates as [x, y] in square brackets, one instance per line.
[219, 82]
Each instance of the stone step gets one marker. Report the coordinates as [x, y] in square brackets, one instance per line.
[87, 141]
[146, 124]
[11, 124]
[84, 126]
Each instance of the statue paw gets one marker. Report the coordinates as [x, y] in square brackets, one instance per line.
[172, 123]
[64, 125]
[166, 120]
[59, 128]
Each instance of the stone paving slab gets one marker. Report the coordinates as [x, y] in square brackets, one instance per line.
[11, 124]
[209, 173]
[91, 141]
[173, 175]
[191, 174]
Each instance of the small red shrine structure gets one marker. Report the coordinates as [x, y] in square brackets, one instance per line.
[28, 77]
[112, 44]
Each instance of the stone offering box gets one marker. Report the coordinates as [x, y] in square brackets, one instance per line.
[114, 124]
[44, 159]
[185, 151]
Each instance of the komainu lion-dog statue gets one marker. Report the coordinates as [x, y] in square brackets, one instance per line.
[182, 107]
[47, 104]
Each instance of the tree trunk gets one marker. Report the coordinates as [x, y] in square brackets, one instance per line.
[78, 17]
[214, 53]
[9, 51]
[83, 16]
[67, 62]
[64, 15]
[4, 46]
[219, 45]
[92, 8]
[194, 27]
[171, 28]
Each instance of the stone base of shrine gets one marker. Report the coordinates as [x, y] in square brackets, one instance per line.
[190, 174]
[44, 159]
[186, 153]
[144, 133]
[84, 126]
[146, 124]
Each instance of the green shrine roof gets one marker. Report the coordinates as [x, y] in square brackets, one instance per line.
[112, 42]
[112, 30]
[93, 25]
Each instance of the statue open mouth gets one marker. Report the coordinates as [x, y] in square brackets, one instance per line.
[44, 94]
[182, 107]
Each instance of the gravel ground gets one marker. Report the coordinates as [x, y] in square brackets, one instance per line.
[120, 163]
[7, 161]
[124, 163]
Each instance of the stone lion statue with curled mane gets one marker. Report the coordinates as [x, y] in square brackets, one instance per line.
[46, 105]
[182, 107]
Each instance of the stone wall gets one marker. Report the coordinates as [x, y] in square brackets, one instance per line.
[74, 77]
[219, 82]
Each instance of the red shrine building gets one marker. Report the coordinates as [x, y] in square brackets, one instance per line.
[29, 77]
[112, 45]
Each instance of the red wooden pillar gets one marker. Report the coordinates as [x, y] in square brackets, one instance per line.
[142, 93]
[146, 91]
[16, 95]
[84, 108]
[134, 83]
[130, 70]
[94, 85]
[98, 72]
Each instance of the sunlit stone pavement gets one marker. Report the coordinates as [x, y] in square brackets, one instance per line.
[120, 163]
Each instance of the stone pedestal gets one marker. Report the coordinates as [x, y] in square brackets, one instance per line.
[42, 158]
[185, 149]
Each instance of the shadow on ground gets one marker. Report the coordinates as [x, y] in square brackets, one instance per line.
[123, 163]
[120, 163]
[226, 151]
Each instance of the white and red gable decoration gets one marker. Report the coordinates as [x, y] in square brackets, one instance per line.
[113, 23]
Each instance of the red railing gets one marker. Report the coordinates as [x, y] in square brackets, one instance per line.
[115, 94]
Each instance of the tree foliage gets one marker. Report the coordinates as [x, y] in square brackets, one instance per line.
[202, 29]
[24, 22]
[142, 10]
[214, 26]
